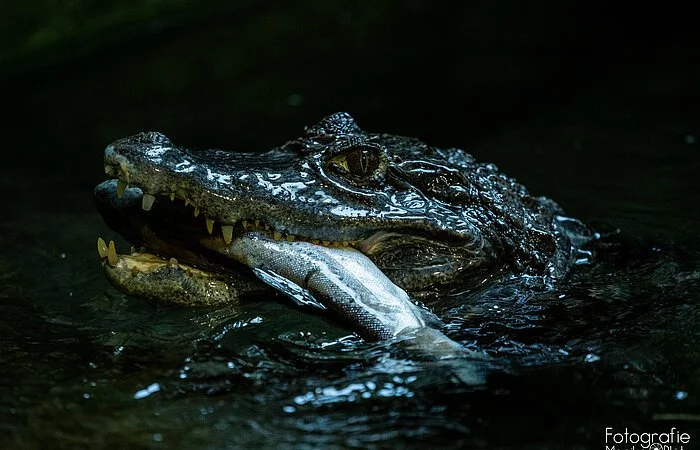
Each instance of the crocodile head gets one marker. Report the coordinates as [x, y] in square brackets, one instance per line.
[424, 216]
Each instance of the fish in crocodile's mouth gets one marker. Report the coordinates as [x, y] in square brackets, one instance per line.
[227, 267]
[169, 235]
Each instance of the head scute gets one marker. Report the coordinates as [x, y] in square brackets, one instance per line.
[153, 138]
[339, 123]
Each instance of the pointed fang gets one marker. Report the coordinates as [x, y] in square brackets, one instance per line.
[147, 201]
[121, 187]
[101, 248]
[112, 258]
[210, 225]
[227, 231]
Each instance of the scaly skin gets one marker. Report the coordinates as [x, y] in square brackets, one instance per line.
[427, 217]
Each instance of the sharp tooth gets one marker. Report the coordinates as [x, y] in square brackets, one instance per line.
[315, 241]
[227, 231]
[121, 187]
[187, 201]
[290, 238]
[147, 201]
[132, 250]
[210, 225]
[172, 262]
[108, 169]
[326, 243]
[257, 223]
[267, 227]
[246, 225]
[277, 235]
[172, 196]
[346, 244]
[196, 211]
[112, 258]
[101, 248]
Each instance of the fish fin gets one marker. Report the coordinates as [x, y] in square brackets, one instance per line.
[299, 295]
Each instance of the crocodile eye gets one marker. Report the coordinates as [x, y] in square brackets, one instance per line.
[360, 162]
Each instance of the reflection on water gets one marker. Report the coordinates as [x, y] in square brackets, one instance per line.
[85, 365]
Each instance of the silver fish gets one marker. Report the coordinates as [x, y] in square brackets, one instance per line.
[339, 279]
[345, 281]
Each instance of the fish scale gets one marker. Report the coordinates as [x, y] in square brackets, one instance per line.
[341, 279]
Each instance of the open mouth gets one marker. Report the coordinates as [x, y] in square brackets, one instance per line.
[191, 224]
[178, 257]
[178, 254]
[175, 222]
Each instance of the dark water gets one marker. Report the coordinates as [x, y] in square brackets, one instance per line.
[83, 365]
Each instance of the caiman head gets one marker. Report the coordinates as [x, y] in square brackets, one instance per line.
[427, 217]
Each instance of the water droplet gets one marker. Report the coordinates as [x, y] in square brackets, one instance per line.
[143, 393]
[681, 395]
[591, 358]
